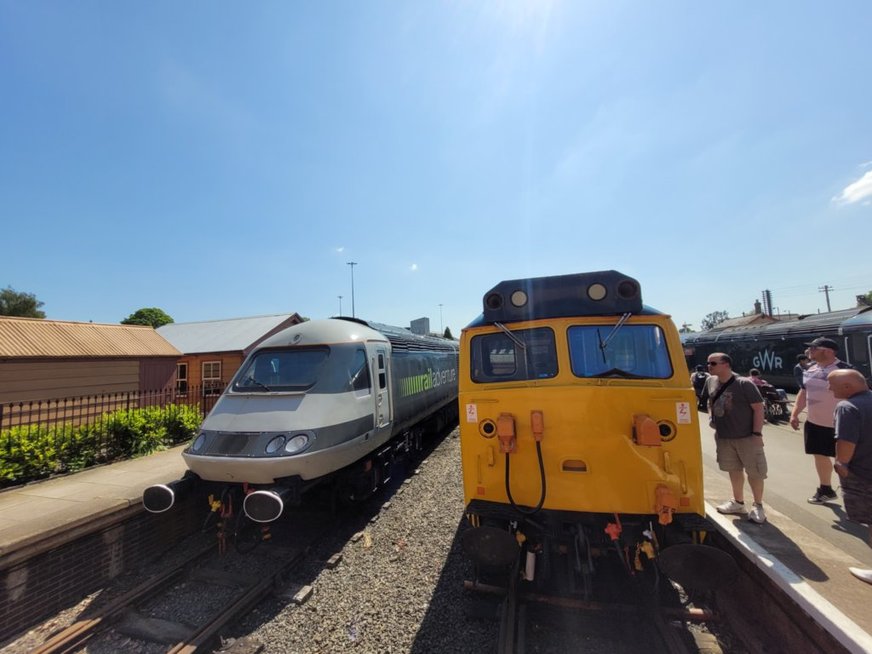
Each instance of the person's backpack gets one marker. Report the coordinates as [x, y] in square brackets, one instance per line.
[699, 381]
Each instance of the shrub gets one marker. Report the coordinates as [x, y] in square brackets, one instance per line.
[33, 452]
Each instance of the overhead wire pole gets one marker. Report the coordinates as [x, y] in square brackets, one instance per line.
[825, 289]
[340, 304]
[352, 264]
[441, 328]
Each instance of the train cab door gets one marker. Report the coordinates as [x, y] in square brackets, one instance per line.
[382, 387]
[859, 352]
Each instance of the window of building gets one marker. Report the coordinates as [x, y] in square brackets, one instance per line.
[211, 377]
[181, 378]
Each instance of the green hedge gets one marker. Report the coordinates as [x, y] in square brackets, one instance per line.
[31, 452]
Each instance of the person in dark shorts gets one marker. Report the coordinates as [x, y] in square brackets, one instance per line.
[818, 430]
[853, 464]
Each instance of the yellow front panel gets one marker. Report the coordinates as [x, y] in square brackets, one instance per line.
[591, 461]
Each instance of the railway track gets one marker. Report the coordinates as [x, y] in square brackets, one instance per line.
[142, 613]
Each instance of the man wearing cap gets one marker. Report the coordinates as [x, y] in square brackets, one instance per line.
[819, 429]
[854, 449]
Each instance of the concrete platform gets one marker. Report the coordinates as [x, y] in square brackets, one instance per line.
[35, 517]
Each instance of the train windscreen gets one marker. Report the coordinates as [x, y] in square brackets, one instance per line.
[631, 351]
[281, 370]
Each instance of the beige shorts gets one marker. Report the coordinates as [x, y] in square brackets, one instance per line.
[746, 454]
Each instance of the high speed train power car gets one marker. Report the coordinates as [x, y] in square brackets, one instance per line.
[326, 399]
[579, 431]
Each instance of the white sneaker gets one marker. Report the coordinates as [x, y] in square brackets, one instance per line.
[732, 508]
[862, 575]
[757, 514]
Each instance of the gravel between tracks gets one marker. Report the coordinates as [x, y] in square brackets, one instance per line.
[399, 586]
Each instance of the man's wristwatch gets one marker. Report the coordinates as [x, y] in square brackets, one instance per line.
[756, 433]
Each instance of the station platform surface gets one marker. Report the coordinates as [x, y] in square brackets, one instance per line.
[806, 561]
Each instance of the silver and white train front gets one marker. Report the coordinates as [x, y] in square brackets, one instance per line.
[301, 406]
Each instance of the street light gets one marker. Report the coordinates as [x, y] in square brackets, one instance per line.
[352, 264]
[340, 304]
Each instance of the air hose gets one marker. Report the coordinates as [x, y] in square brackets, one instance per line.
[541, 476]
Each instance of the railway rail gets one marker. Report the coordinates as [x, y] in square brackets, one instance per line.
[127, 614]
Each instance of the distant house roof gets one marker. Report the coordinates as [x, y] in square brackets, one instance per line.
[745, 321]
[231, 335]
[34, 337]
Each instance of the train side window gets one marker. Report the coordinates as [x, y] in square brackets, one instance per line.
[382, 374]
[527, 354]
[359, 372]
[634, 351]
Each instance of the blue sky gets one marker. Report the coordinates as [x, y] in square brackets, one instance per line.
[220, 159]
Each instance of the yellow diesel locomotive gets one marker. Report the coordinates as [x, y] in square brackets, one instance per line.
[579, 430]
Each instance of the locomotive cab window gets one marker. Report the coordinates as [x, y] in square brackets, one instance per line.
[281, 370]
[521, 355]
[358, 373]
[630, 351]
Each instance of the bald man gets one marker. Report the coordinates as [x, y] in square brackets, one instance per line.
[853, 426]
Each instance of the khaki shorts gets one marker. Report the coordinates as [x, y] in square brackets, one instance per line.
[735, 454]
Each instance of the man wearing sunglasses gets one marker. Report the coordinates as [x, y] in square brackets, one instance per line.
[819, 430]
[736, 414]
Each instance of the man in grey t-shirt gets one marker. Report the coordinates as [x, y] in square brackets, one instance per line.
[736, 415]
[853, 418]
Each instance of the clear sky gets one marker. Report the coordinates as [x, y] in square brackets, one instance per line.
[220, 160]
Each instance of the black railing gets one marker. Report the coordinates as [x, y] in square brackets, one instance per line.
[85, 410]
[40, 438]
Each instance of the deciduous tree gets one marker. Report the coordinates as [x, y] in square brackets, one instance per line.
[13, 303]
[713, 319]
[148, 316]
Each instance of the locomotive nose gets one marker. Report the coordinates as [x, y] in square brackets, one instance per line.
[265, 505]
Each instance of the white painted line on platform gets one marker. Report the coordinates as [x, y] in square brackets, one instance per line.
[845, 630]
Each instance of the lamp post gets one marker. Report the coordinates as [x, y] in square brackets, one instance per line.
[441, 328]
[340, 304]
[352, 264]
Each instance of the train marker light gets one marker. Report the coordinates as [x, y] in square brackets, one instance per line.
[297, 443]
[596, 292]
[275, 444]
[519, 298]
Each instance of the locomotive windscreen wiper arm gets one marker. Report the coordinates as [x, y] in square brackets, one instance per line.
[604, 344]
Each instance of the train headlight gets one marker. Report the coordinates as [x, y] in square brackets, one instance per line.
[199, 442]
[275, 444]
[297, 443]
[596, 292]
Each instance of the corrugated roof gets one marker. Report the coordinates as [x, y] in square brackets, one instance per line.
[230, 335]
[33, 337]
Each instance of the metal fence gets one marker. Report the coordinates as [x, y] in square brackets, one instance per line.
[91, 409]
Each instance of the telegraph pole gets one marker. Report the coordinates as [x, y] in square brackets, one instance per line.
[340, 304]
[825, 289]
[352, 264]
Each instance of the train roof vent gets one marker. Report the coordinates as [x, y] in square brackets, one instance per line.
[607, 292]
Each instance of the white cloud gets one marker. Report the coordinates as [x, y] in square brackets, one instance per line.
[856, 191]
[340, 249]
[413, 267]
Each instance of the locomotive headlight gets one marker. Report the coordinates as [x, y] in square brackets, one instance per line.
[519, 298]
[297, 443]
[275, 444]
[198, 443]
[596, 291]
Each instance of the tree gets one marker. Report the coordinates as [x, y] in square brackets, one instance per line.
[148, 316]
[713, 319]
[865, 300]
[25, 305]
[447, 333]
[686, 329]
